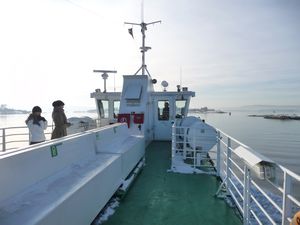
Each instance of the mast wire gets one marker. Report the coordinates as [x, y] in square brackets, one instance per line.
[84, 8]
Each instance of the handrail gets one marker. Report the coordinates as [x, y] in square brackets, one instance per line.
[18, 136]
[8, 133]
[289, 202]
[257, 200]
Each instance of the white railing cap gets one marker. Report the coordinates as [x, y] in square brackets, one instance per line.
[251, 157]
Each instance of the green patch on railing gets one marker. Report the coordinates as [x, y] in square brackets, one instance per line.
[115, 130]
[53, 150]
[97, 136]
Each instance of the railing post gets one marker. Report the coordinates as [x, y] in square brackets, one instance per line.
[228, 163]
[3, 140]
[246, 195]
[218, 153]
[184, 142]
[174, 137]
[286, 204]
[194, 145]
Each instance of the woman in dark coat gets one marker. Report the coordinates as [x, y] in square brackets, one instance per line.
[59, 119]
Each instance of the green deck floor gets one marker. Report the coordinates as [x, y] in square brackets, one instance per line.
[158, 197]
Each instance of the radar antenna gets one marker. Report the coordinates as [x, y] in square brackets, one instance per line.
[144, 48]
[105, 75]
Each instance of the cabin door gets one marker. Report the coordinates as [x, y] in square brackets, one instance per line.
[163, 117]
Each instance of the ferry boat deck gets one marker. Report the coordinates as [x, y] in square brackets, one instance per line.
[167, 198]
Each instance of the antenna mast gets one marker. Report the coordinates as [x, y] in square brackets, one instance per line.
[144, 48]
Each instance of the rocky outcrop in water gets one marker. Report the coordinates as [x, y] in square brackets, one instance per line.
[278, 117]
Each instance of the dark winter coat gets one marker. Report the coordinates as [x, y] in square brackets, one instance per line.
[60, 122]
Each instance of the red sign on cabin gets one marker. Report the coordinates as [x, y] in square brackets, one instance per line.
[138, 118]
[124, 118]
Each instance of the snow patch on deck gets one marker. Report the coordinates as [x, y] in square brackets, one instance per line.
[179, 166]
[108, 211]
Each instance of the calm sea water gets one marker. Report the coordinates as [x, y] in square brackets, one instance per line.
[276, 139]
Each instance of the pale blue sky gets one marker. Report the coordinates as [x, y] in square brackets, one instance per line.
[231, 52]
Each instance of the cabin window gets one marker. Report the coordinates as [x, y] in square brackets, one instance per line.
[180, 108]
[116, 108]
[103, 108]
[163, 110]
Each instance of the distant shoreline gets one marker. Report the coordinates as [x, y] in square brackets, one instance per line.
[205, 110]
[8, 111]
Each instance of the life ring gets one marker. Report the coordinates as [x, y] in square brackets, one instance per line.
[296, 219]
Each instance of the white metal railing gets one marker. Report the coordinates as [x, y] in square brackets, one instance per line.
[273, 199]
[15, 137]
